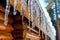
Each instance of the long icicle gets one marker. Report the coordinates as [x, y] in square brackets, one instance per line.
[7, 10]
[24, 4]
[15, 5]
[42, 26]
[38, 19]
[29, 11]
[32, 14]
[38, 16]
[22, 12]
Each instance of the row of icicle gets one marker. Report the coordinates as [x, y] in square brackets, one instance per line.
[33, 10]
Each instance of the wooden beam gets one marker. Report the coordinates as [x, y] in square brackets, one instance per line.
[32, 37]
[32, 29]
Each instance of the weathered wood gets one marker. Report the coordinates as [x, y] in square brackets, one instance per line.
[4, 28]
[2, 8]
[5, 36]
[18, 34]
[18, 26]
[32, 37]
[17, 18]
[10, 20]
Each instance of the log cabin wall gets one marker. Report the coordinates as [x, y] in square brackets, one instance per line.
[16, 30]
[19, 30]
[5, 31]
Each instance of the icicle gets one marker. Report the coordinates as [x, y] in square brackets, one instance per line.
[44, 23]
[24, 4]
[22, 17]
[38, 16]
[32, 13]
[6, 18]
[39, 26]
[7, 12]
[21, 9]
[15, 5]
[38, 20]
[22, 13]
[29, 10]
[33, 25]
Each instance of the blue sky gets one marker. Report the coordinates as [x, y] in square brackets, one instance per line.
[58, 7]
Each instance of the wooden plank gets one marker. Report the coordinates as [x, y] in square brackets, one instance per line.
[5, 36]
